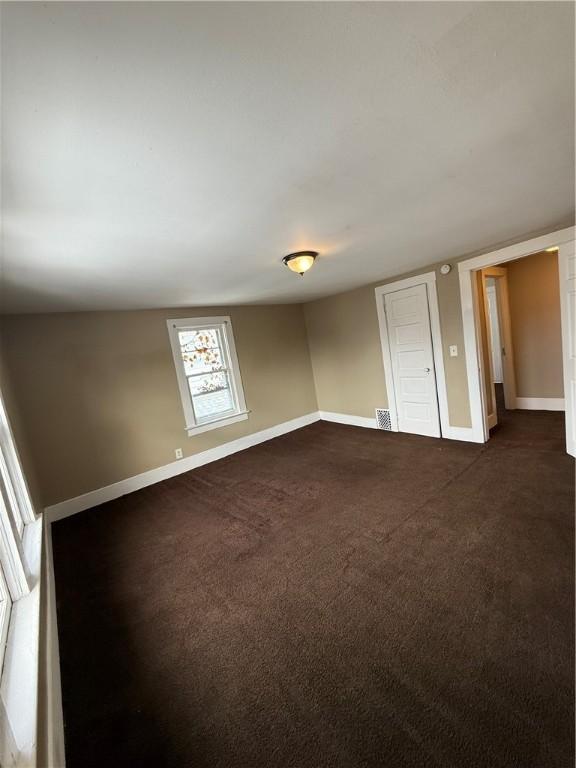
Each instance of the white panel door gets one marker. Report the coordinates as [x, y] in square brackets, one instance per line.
[567, 264]
[410, 342]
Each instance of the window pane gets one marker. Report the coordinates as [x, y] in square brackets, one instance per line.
[211, 394]
[201, 350]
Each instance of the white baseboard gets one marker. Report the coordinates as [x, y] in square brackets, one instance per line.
[101, 495]
[345, 418]
[109, 492]
[465, 434]
[52, 707]
[540, 403]
[453, 433]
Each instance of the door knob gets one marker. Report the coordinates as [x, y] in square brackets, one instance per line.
[427, 370]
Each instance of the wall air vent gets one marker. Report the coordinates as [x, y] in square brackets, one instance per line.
[383, 419]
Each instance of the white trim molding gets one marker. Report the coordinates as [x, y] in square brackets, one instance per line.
[541, 403]
[464, 434]
[91, 499]
[469, 301]
[567, 280]
[428, 279]
[346, 418]
[225, 422]
[13, 467]
[19, 687]
[101, 495]
[51, 703]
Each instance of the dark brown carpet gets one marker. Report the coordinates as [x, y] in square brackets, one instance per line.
[337, 597]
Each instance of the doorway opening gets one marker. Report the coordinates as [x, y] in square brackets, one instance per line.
[519, 315]
[497, 349]
[521, 340]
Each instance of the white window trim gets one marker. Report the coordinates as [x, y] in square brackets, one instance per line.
[19, 681]
[20, 557]
[11, 554]
[11, 468]
[5, 608]
[16, 511]
[239, 413]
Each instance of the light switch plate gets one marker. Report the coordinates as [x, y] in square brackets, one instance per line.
[453, 351]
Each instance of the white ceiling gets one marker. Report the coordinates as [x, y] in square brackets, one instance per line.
[160, 155]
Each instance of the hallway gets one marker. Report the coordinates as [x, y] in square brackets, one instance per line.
[542, 430]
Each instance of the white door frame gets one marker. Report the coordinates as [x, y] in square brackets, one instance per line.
[567, 274]
[495, 342]
[429, 280]
[500, 276]
[469, 300]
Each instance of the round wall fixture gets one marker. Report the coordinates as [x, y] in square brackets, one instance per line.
[301, 261]
[445, 269]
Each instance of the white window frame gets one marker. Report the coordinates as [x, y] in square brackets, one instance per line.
[5, 608]
[12, 475]
[223, 324]
[16, 511]
[20, 562]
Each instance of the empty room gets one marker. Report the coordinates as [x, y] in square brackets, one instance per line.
[287, 384]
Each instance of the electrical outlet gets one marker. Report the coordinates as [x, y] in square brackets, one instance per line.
[453, 351]
[178, 453]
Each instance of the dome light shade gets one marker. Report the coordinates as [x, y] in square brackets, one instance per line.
[301, 261]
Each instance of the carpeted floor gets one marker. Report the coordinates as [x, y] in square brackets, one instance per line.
[337, 597]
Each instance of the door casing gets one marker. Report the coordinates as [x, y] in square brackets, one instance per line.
[564, 240]
[500, 276]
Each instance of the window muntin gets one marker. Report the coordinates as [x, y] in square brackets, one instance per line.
[12, 477]
[10, 497]
[5, 608]
[11, 551]
[208, 371]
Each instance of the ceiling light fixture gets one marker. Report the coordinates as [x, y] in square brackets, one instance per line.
[552, 250]
[301, 261]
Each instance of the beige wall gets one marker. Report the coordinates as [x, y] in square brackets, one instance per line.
[100, 399]
[344, 339]
[345, 349]
[536, 329]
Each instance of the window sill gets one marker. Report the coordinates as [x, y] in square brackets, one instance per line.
[197, 430]
[19, 685]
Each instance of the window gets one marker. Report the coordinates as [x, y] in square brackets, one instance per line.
[16, 512]
[208, 372]
[14, 487]
[20, 559]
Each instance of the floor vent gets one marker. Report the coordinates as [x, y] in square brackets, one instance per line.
[383, 419]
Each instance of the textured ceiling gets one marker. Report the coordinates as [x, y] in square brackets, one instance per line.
[170, 154]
